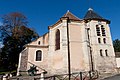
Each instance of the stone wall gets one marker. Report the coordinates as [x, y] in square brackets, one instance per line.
[23, 59]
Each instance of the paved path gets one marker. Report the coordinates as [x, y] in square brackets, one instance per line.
[116, 77]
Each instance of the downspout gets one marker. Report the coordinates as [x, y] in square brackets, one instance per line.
[68, 44]
[69, 64]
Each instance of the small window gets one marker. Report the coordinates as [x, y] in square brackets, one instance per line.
[38, 42]
[106, 52]
[99, 40]
[101, 52]
[98, 30]
[104, 40]
[38, 55]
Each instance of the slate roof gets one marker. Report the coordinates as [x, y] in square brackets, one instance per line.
[91, 15]
[71, 16]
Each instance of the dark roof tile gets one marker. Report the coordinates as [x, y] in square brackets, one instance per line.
[92, 15]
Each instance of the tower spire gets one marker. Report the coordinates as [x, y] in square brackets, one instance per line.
[90, 9]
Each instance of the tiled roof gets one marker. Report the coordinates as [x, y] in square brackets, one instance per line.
[92, 15]
[66, 15]
[71, 16]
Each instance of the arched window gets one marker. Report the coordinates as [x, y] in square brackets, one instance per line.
[99, 40]
[57, 40]
[38, 55]
[101, 52]
[38, 42]
[103, 30]
[106, 52]
[104, 40]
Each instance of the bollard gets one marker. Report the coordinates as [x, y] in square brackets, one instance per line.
[80, 75]
[42, 76]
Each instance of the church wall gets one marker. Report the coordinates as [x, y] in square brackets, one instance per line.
[58, 58]
[79, 50]
[76, 47]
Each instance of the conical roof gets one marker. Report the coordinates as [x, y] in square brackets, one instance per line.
[71, 16]
[92, 15]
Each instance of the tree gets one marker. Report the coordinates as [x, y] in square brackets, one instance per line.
[14, 35]
[116, 44]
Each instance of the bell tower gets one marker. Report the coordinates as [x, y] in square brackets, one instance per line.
[102, 56]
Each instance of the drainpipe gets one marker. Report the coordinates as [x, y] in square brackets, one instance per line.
[69, 66]
[68, 44]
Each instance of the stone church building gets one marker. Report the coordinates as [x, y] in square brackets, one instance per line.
[72, 43]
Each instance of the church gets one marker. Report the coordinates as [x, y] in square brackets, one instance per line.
[72, 44]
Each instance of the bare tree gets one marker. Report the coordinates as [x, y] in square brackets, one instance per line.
[11, 22]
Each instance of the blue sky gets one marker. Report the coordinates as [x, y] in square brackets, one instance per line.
[42, 13]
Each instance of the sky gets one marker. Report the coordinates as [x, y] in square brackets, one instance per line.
[43, 13]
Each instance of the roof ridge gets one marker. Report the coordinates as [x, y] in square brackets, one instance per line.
[71, 15]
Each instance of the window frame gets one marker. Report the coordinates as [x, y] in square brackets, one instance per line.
[57, 39]
[99, 40]
[101, 52]
[106, 52]
[37, 58]
[104, 40]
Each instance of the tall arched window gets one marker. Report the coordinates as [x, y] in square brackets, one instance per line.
[57, 40]
[104, 40]
[38, 55]
[106, 52]
[99, 40]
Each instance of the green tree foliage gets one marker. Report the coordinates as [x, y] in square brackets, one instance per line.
[116, 44]
[14, 35]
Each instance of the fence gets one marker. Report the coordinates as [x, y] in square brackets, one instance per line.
[89, 75]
